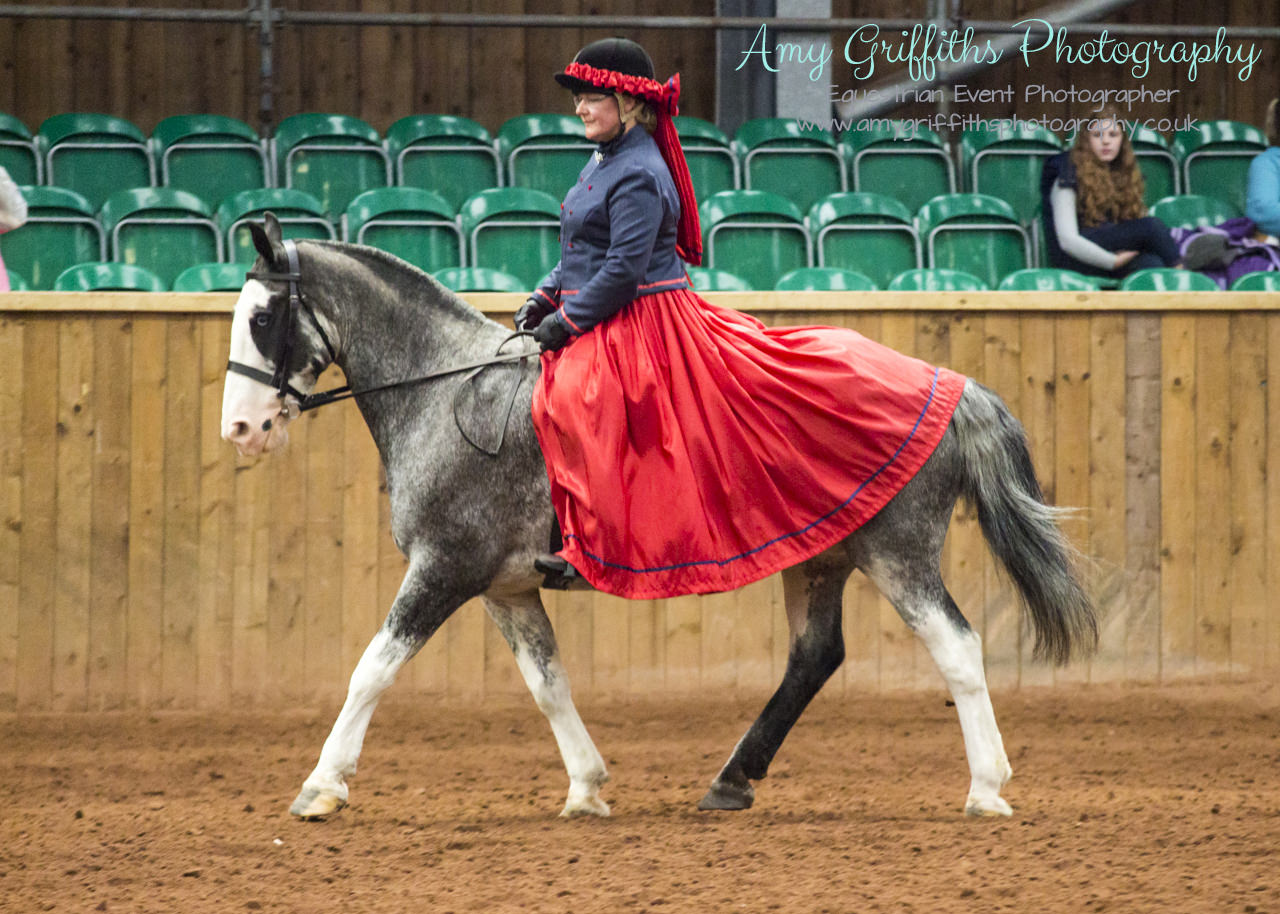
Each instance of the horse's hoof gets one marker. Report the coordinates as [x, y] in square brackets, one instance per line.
[586, 806]
[987, 808]
[728, 796]
[312, 804]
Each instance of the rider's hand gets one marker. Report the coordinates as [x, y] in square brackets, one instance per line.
[552, 333]
[531, 313]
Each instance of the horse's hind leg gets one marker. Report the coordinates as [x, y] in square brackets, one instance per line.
[524, 623]
[915, 589]
[813, 593]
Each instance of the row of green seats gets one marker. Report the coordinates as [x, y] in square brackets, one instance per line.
[229, 277]
[336, 157]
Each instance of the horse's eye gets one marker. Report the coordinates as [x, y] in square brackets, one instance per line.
[262, 319]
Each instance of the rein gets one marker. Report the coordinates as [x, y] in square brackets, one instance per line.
[306, 402]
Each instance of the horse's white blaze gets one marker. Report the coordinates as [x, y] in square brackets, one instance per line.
[251, 416]
[958, 656]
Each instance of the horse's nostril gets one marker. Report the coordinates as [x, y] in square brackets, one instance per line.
[239, 430]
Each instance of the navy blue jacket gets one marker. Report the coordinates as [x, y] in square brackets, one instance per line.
[617, 234]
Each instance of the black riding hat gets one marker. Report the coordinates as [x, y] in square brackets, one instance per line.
[619, 55]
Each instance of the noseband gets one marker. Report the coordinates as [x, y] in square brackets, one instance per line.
[279, 379]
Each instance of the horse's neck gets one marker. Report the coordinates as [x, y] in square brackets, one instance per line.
[399, 327]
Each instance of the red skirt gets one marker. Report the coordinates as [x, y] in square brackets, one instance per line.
[691, 449]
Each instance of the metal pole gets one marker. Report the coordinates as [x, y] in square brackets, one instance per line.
[265, 20]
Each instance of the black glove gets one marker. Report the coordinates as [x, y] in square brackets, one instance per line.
[531, 313]
[552, 333]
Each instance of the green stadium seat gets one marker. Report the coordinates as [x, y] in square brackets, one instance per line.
[939, 279]
[18, 152]
[778, 157]
[708, 280]
[210, 277]
[543, 152]
[451, 156]
[1257, 282]
[1157, 162]
[1167, 279]
[416, 225]
[108, 277]
[870, 233]
[1193, 211]
[479, 279]
[1215, 157]
[1049, 279]
[161, 228]
[713, 167]
[300, 214]
[210, 155]
[333, 157]
[513, 229]
[910, 164]
[62, 229]
[95, 155]
[1006, 161]
[973, 233]
[825, 279]
[755, 234]
[16, 282]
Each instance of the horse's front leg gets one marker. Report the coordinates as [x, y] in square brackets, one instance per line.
[416, 614]
[524, 623]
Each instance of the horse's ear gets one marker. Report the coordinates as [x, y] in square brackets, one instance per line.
[268, 239]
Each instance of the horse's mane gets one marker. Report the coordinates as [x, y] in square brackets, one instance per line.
[402, 276]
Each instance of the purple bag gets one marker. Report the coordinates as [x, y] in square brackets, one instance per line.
[1238, 254]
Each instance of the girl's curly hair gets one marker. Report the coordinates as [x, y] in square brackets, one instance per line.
[1107, 191]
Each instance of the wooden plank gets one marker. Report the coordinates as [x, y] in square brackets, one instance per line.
[753, 637]
[73, 508]
[1072, 450]
[109, 556]
[12, 387]
[1247, 598]
[216, 532]
[323, 588]
[182, 442]
[362, 611]
[646, 663]
[610, 646]
[1142, 647]
[863, 605]
[682, 637]
[1039, 412]
[719, 653]
[1271, 498]
[386, 70]
[1002, 372]
[146, 513]
[36, 594]
[495, 51]
[287, 572]
[1178, 508]
[899, 651]
[1107, 500]
[1213, 494]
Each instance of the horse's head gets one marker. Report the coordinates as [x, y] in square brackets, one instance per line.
[278, 347]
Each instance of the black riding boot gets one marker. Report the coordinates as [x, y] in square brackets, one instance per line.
[557, 573]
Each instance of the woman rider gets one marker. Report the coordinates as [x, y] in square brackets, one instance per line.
[690, 449]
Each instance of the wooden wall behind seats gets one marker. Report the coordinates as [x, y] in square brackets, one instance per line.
[146, 71]
[143, 564]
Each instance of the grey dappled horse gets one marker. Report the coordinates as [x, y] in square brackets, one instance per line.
[471, 523]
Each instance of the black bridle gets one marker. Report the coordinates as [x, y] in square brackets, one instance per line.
[279, 379]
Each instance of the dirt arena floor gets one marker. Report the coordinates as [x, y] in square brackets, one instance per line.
[1126, 800]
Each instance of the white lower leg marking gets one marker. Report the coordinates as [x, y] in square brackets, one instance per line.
[373, 675]
[958, 656]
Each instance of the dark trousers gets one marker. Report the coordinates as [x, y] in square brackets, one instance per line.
[1148, 236]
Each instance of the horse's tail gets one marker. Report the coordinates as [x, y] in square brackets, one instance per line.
[1021, 530]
